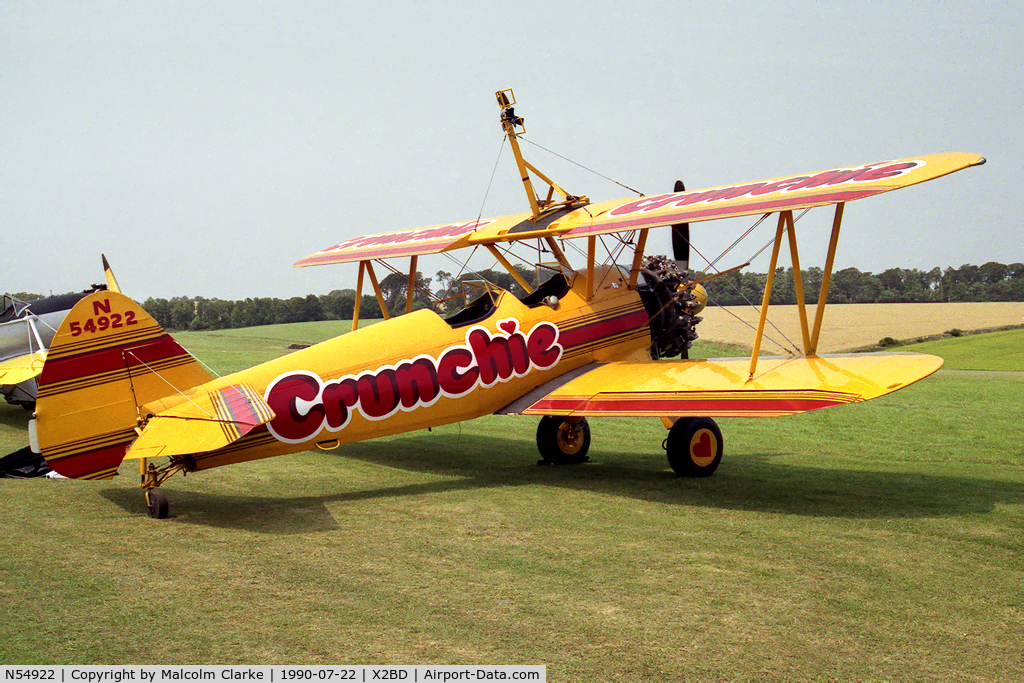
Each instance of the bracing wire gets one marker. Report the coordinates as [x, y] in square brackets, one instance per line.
[490, 182]
[463, 268]
[170, 384]
[416, 285]
[464, 265]
[711, 264]
[626, 241]
[585, 168]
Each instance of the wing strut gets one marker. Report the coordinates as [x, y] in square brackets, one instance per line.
[557, 251]
[798, 284]
[769, 280]
[359, 296]
[376, 290]
[411, 289]
[367, 267]
[825, 277]
[638, 257]
[810, 335]
[591, 255]
[508, 266]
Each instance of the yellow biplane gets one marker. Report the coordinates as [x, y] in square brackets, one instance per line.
[579, 343]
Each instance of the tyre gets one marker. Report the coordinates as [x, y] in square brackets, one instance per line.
[563, 442]
[157, 506]
[694, 447]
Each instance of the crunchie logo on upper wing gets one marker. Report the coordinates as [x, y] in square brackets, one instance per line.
[410, 236]
[839, 176]
[305, 404]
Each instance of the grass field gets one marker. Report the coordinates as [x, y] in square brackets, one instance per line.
[880, 540]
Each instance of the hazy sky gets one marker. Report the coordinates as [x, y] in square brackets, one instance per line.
[204, 147]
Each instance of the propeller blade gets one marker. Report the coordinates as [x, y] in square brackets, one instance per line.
[681, 238]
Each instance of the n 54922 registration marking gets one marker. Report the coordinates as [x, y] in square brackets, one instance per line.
[102, 319]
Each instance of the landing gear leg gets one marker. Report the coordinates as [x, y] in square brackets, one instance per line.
[694, 446]
[157, 506]
[563, 440]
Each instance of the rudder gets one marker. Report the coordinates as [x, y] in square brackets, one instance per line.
[108, 358]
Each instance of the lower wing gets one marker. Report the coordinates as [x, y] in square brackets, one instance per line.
[21, 368]
[723, 387]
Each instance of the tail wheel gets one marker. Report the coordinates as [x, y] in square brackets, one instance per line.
[694, 447]
[157, 506]
[562, 441]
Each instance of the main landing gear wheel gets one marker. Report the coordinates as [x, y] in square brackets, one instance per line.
[694, 446]
[563, 441]
[156, 504]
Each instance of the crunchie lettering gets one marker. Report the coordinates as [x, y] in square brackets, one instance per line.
[450, 230]
[305, 405]
[832, 178]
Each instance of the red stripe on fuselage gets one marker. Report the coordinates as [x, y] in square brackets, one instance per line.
[609, 327]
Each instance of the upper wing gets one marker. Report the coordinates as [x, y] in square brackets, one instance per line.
[431, 240]
[763, 196]
[206, 418]
[720, 387]
[22, 368]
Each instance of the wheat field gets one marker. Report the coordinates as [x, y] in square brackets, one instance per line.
[853, 326]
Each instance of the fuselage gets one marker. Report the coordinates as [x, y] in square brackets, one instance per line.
[15, 337]
[420, 370]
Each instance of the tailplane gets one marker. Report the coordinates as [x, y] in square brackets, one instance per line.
[108, 358]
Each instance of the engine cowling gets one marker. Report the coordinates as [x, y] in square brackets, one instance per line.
[672, 302]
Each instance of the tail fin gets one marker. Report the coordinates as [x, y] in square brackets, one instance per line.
[108, 358]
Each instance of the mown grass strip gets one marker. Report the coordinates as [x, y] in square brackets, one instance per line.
[880, 540]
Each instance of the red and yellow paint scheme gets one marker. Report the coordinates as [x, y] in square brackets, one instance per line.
[586, 342]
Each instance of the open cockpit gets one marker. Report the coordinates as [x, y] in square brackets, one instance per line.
[483, 297]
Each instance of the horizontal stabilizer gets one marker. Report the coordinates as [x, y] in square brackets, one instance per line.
[207, 418]
[722, 387]
[22, 368]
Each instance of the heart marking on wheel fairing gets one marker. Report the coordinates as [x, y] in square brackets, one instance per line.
[702, 447]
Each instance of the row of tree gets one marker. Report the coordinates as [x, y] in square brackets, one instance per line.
[198, 313]
[990, 282]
